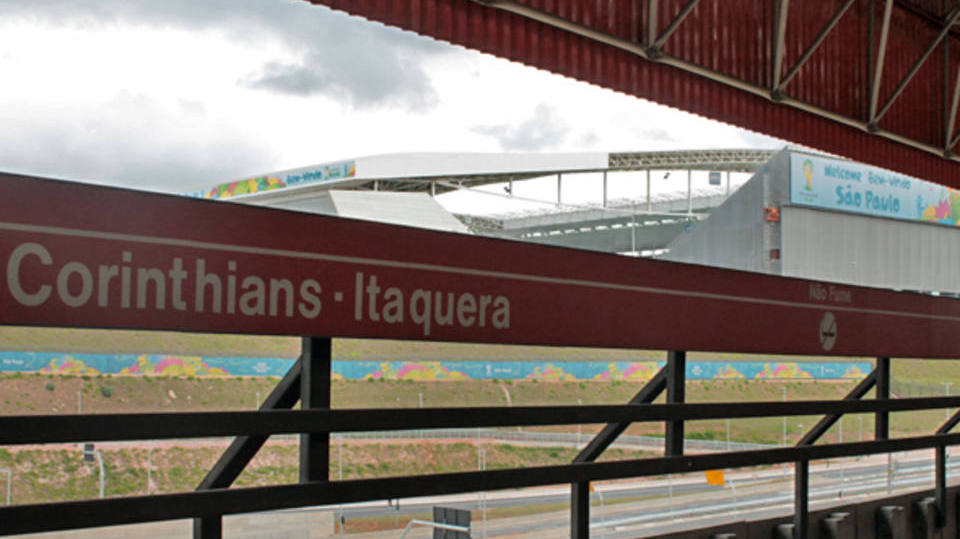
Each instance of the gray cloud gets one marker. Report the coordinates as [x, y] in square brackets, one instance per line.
[659, 135]
[544, 130]
[360, 64]
[362, 76]
[131, 140]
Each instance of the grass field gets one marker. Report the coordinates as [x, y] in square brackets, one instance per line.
[48, 473]
[61, 474]
[56, 394]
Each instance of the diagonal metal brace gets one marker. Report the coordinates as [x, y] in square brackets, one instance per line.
[580, 492]
[824, 424]
[612, 431]
[242, 450]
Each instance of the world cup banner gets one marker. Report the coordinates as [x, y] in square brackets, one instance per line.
[76, 255]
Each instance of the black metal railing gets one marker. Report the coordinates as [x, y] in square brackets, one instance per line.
[213, 499]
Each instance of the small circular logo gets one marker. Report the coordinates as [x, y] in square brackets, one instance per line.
[828, 331]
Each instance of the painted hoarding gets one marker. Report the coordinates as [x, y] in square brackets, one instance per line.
[132, 260]
[279, 180]
[835, 184]
[180, 365]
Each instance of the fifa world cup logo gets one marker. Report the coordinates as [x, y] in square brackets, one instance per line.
[808, 174]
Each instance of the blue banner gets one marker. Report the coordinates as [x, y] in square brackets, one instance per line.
[175, 365]
[835, 184]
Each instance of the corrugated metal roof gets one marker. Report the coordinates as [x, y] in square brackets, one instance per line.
[719, 62]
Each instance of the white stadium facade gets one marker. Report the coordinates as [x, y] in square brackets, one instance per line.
[799, 214]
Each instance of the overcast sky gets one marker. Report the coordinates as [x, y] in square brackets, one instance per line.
[174, 95]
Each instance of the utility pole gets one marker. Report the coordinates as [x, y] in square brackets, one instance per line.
[784, 439]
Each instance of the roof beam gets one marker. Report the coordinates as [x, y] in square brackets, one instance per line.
[824, 32]
[783, 10]
[652, 17]
[878, 68]
[917, 65]
[674, 24]
[640, 50]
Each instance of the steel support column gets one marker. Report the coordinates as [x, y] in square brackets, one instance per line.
[316, 358]
[207, 527]
[676, 384]
[882, 422]
[801, 500]
[940, 469]
[580, 510]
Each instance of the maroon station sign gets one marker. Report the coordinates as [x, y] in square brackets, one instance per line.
[88, 256]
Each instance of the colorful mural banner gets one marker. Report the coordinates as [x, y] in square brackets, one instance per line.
[176, 365]
[279, 180]
[835, 184]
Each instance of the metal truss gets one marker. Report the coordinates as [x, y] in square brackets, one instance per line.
[744, 160]
[652, 47]
[722, 160]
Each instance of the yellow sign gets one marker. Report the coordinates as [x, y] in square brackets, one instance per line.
[714, 477]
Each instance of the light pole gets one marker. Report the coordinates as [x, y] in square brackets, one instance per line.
[603, 516]
[579, 426]
[149, 468]
[728, 434]
[946, 393]
[89, 454]
[783, 389]
[9, 483]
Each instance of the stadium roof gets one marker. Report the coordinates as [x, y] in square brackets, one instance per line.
[441, 172]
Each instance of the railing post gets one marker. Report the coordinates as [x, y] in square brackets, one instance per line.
[580, 510]
[801, 500]
[316, 358]
[941, 488]
[208, 527]
[676, 382]
[882, 421]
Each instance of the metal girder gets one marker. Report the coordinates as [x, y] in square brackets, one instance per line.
[954, 16]
[817, 41]
[952, 119]
[783, 11]
[652, 18]
[867, 124]
[734, 160]
[674, 24]
[881, 58]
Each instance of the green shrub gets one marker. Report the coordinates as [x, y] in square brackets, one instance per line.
[106, 391]
[50, 386]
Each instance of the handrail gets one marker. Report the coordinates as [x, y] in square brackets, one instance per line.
[89, 513]
[117, 427]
